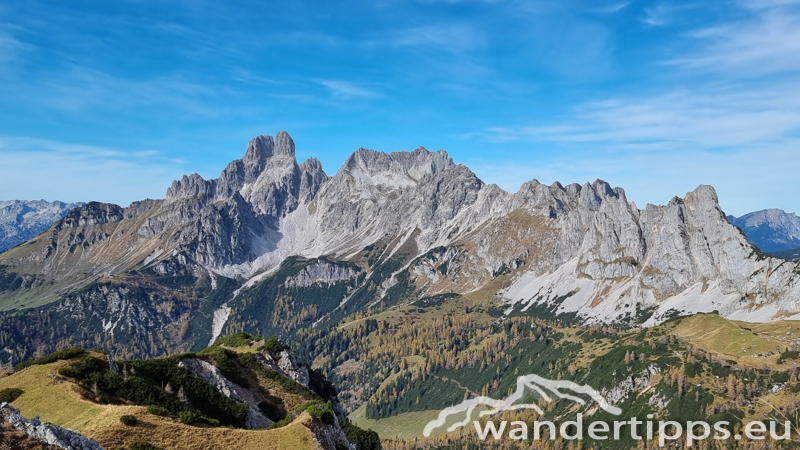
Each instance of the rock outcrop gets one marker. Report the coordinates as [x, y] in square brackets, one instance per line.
[286, 365]
[635, 383]
[45, 432]
[322, 272]
[329, 436]
[256, 420]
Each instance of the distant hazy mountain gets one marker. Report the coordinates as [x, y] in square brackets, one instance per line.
[772, 230]
[22, 220]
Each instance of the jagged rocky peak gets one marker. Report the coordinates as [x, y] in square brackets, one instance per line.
[573, 189]
[284, 145]
[311, 178]
[604, 189]
[189, 186]
[140, 207]
[770, 215]
[705, 199]
[701, 202]
[18, 210]
[559, 198]
[276, 190]
[258, 150]
[93, 213]
[311, 165]
[703, 192]
[397, 168]
[267, 165]
[247, 169]
[262, 149]
[533, 194]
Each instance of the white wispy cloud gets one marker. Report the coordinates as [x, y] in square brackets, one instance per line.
[768, 3]
[764, 43]
[730, 117]
[746, 179]
[665, 13]
[38, 168]
[78, 87]
[11, 47]
[448, 37]
[346, 89]
[453, 2]
[612, 8]
[655, 16]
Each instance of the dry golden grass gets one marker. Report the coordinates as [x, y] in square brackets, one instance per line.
[749, 344]
[405, 426]
[55, 402]
[60, 403]
[173, 435]
[783, 330]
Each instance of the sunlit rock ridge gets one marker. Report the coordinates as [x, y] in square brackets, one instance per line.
[584, 249]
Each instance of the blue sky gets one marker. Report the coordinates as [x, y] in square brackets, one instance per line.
[110, 101]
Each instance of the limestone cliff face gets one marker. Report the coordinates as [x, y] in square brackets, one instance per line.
[577, 248]
[322, 273]
[683, 257]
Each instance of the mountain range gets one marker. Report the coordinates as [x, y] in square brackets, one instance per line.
[413, 285]
[247, 249]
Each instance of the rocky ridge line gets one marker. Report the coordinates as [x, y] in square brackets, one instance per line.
[45, 432]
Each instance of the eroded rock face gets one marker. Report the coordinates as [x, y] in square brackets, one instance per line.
[256, 420]
[662, 258]
[631, 385]
[93, 213]
[286, 365]
[112, 365]
[44, 432]
[121, 311]
[612, 258]
[329, 436]
[322, 272]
